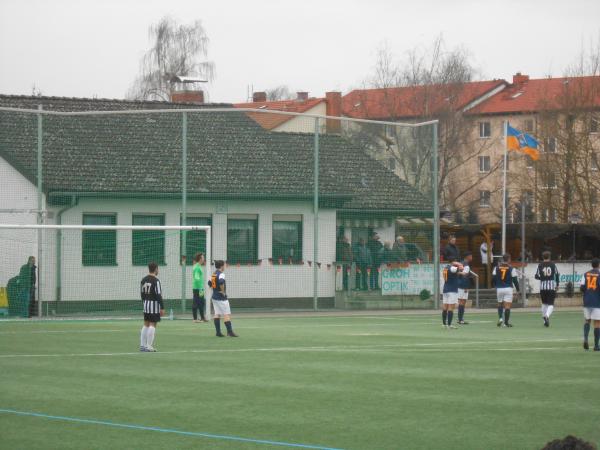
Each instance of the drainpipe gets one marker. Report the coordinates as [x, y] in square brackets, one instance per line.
[74, 202]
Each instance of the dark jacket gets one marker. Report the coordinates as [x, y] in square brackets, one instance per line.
[451, 252]
[376, 249]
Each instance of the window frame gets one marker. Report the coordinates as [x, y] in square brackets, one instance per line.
[595, 124]
[253, 257]
[482, 130]
[485, 200]
[286, 218]
[550, 148]
[189, 257]
[482, 161]
[136, 234]
[87, 234]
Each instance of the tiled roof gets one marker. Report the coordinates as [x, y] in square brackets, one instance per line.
[272, 121]
[414, 101]
[228, 155]
[541, 94]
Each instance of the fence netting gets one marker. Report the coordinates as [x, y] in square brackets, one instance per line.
[306, 212]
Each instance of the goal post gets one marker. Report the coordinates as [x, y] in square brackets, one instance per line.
[96, 269]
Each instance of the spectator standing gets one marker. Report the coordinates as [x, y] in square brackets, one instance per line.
[451, 251]
[363, 261]
[32, 303]
[485, 261]
[346, 258]
[399, 249]
[376, 249]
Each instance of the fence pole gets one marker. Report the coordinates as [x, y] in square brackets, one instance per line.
[40, 214]
[183, 255]
[436, 219]
[316, 219]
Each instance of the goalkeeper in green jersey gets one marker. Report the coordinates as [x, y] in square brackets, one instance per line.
[198, 288]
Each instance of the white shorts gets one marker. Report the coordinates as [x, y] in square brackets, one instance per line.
[221, 307]
[463, 294]
[450, 298]
[591, 313]
[504, 295]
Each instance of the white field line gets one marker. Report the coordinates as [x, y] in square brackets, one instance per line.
[333, 348]
[241, 327]
[62, 331]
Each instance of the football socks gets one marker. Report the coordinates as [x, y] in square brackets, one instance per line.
[461, 312]
[586, 331]
[150, 337]
[217, 322]
[444, 315]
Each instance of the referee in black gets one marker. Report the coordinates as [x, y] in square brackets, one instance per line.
[151, 292]
[549, 278]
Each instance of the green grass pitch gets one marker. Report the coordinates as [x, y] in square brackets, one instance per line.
[346, 382]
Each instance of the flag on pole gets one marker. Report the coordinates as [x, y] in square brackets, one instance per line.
[522, 142]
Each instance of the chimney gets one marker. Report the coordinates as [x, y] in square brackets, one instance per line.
[187, 96]
[259, 97]
[302, 96]
[333, 101]
[519, 79]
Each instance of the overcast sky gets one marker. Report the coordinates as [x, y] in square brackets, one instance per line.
[84, 48]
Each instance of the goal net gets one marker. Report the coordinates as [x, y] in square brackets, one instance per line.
[96, 269]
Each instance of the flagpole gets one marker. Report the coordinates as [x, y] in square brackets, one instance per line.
[504, 187]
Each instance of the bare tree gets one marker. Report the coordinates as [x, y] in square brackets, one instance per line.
[281, 92]
[176, 50]
[568, 126]
[426, 84]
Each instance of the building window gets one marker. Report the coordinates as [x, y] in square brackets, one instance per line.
[594, 162]
[99, 247]
[195, 240]
[148, 245]
[593, 196]
[484, 164]
[392, 163]
[550, 145]
[528, 126]
[485, 130]
[595, 124]
[550, 180]
[242, 239]
[549, 215]
[484, 199]
[287, 239]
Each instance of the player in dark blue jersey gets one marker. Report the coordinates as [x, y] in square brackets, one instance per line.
[450, 292]
[590, 286]
[220, 301]
[463, 287]
[503, 278]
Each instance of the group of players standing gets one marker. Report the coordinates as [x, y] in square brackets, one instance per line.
[151, 293]
[457, 281]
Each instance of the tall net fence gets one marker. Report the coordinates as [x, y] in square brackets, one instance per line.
[307, 212]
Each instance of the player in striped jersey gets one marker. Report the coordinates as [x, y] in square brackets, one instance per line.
[151, 292]
[590, 286]
[548, 275]
[503, 278]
